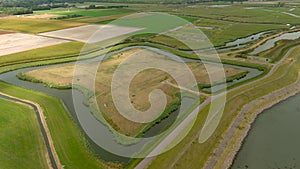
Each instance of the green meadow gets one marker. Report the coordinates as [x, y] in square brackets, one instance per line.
[71, 146]
[21, 141]
[85, 12]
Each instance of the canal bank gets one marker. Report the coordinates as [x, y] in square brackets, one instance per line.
[272, 141]
[263, 104]
[232, 138]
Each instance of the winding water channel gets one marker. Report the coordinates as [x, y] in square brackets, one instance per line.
[247, 39]
[272, 42]
[96, 127]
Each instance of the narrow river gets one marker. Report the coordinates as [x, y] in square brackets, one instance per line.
[272, 42]
[273, 141]
[97, 127]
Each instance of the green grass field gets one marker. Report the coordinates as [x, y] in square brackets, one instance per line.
[88, 16]
[70, 144]
[85, 12]
[21, 141]
[34, 25]
[221, 33]
[227, 23]
[52, 52]
[151, 22]
[224, 31]
[236, 13]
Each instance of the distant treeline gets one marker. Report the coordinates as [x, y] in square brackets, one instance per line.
[16, 11]
[106, 7]
[36, 3]
[33, 3]
[17, 7]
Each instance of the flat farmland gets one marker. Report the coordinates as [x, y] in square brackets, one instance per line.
[19, 42]
[97, 20]
[87, 16]
[29, 25]
[99, 33]
[85, 12]
[21, 141]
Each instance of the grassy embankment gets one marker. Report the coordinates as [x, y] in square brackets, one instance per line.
[70, 144]
[286, 74]
[21, 141]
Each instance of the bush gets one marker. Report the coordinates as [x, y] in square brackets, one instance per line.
[17, 11]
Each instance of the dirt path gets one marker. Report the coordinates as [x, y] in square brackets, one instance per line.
[163, 144]
[186, 89]
[54, 160]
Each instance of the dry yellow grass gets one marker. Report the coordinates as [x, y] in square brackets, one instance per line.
[29, 25]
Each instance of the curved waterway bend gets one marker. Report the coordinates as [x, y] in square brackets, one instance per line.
[236, 44]
[273, 141]
[271, 42]
[247, 39]
[96, 126]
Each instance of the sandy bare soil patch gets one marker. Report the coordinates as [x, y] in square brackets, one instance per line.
[18, 42]
[83, 33]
